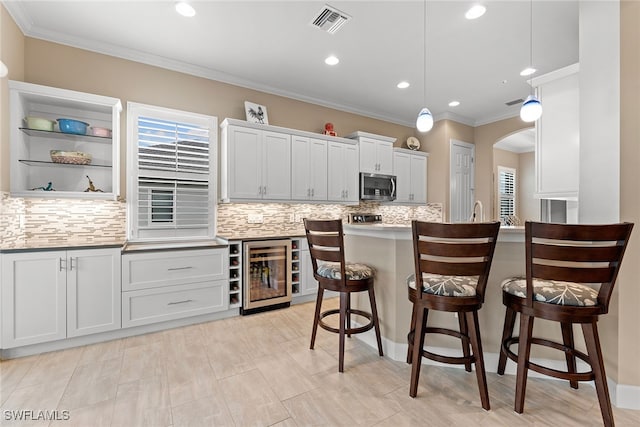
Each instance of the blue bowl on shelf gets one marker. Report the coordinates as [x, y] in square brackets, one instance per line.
[72, 126]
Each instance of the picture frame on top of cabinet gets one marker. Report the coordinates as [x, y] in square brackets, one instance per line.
[256, 113]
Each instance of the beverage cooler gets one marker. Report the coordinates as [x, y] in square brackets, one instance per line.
[267, 275]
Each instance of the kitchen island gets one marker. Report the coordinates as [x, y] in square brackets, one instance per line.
[388, 248]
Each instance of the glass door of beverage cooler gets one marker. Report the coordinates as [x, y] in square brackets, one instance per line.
[267, 273]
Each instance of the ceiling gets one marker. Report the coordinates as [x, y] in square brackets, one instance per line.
[271, 46]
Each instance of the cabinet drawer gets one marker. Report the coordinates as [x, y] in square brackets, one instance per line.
[157, 269]
[173, 302]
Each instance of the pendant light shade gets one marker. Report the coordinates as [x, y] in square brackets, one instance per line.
[531, 109]
[425, 120]
[3, 70]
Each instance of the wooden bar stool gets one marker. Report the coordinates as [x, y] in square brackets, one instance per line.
[564, 265]
[326, 247]
[452, 263]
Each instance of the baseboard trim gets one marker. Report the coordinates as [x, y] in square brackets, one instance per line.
[622, 395]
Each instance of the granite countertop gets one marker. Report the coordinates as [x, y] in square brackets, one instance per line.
[68, 244]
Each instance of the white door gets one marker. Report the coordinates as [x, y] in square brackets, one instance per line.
[245, 163]
[318, 169]
[276, 166]
[34, 297]
[418, 179]
[402, 166]
[462, 181]
[351, 177]
[93, 291]
[300, 178]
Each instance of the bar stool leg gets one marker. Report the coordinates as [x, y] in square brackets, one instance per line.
[476, 344]
[507, 333]
[464, 331]
[374, 318]
[524, 349]
[567, 339]
[348, 314]
[412, 329]
[592, 341]
[316, 317]
[418, 344]
[344, 301]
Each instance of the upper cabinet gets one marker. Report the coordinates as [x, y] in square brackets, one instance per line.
[271, 163]
[411, 176]
[308, 168]
[376, 152]
[48, 160]
[557, 152]
[343, 172]
[256, 164]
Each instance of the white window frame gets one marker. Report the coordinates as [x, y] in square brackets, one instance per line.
[506, 196]
[166, 230]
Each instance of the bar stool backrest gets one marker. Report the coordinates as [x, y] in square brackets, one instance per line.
[326, 244]
[579, 253]
[461, 249]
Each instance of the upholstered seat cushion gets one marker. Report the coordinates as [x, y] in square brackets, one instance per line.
[553, 292]
[448, 286]
[353, 270]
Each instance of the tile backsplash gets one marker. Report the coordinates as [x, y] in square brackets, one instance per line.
[286, 218]
[35, 222]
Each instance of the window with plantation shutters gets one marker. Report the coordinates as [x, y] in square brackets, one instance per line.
[171, 179]
[506, 191]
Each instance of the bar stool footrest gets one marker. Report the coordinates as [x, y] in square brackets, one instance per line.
[563, 375]
[347, 331]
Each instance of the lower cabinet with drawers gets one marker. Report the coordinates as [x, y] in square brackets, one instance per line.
[172, 284]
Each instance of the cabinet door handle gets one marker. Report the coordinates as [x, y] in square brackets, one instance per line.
[71, 263]
[264, 190]
[179, 268]
[180, 302]
[313, 192]
[62, 260]
[308, 192]
[346, 194]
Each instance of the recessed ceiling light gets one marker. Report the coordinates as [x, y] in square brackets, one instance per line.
[475, 12]
[185, 9]
[454, 103]
[331, 60]
[528, 71]
[403, 85]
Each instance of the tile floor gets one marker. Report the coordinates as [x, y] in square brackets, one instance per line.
[258, 371]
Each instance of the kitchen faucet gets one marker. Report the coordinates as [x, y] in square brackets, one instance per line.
[474, 218]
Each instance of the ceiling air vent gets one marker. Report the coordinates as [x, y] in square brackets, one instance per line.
[330, 19]
[514, 102]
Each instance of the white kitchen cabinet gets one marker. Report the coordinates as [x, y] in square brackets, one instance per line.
[166, 285]
[557, 153]
[411, 173]
[31, 164]
[342, 168]
[50, 295]
[256, 164]
[308, 168]
[376, 152]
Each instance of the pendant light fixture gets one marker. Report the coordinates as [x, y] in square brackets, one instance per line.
[424, 123]
[531, 109]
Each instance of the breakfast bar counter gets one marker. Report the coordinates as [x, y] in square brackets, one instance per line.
[388, 248]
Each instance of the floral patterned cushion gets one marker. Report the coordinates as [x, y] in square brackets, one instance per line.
[552, 291]
[448, 286]
[353, 270]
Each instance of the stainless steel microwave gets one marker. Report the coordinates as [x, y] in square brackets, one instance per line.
[377, 187]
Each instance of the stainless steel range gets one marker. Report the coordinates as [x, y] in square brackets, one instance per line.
[364, 218]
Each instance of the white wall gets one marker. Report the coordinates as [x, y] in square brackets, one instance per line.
[599, 196]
